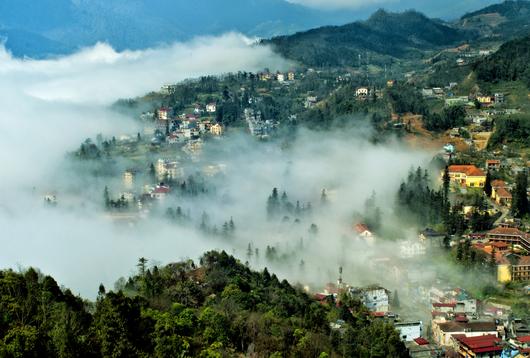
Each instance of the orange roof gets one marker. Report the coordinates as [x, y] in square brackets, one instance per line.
[469, 170]
[499, 245]
[493, 161]
[503, 193]
[508, 231]
[524, 261]
[497, 183]
[360, 228]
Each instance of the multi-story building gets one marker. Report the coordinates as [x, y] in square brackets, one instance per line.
[216, 129]
[375, 298]
[467, 176]
[509, 235]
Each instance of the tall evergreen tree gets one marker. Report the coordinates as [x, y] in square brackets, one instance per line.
[487, 184]
[520, 199]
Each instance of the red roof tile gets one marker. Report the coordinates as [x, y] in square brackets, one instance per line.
[451, 305]
[508, 231]
[524, 339]
[421, 341]
[469, 170]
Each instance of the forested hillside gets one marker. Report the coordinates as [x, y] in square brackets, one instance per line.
[220, 308]
[384, 36]
[510, 63]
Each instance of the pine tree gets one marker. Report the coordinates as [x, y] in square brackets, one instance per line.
[395, 301]
[493, 261]
[447, 242]
[231, 226]
[446, 182]
[323, 197]
[106, 197]
[152, 171]
[249, 251]
[142, 262]
[487, 185]
[520, 199]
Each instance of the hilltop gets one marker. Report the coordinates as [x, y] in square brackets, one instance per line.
[505, 20]
[382, 37]
[219, 308]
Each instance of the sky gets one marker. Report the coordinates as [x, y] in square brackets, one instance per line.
[448, 10]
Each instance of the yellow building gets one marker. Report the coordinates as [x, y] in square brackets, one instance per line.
[216, 129]
[128, 179]
[504, 272]
[468, 176]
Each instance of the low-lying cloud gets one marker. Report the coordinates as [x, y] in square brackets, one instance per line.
[49, 107]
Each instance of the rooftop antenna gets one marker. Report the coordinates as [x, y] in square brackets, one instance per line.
[340, 276]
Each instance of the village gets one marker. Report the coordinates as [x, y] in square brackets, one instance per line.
[435, 320]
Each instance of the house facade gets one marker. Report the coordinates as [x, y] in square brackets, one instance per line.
[468, 176]
[443, 332]
[375, 298]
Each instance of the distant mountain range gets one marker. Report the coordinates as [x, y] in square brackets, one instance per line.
[49, 27]
[382, 37]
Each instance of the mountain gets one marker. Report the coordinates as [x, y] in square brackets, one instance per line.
[510, 63]
[63, 25]
[382, 37]
[506, 20]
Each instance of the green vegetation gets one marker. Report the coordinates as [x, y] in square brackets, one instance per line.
[513, 129]
[221, 308]
[509, 63]
[384, 36]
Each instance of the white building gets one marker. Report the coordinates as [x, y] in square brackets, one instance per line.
[216, 129]
[409, 331]
[375, 298]
[411, 248]
[168, 169]
[362, 92]
[211, 108]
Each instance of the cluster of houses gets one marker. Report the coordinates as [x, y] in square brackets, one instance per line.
[510, 246]
[259, 127]
[179, 129]
[278, 76]
[465, 327]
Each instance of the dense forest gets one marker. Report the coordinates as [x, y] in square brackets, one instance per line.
[510, 63]
[511, 129]
[217, 309]
[384, 36]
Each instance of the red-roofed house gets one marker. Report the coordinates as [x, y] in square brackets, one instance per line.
[467, 176]
[444, 307]
[443, 331]
[502, 196]
[481, 346]
[160, 191]
[163, 113]
[421, 341]
[493, 164]
[363, 230]
[509, 235]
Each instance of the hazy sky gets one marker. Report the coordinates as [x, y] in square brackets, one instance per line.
[449, 9]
